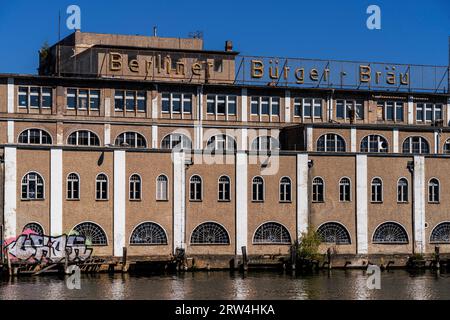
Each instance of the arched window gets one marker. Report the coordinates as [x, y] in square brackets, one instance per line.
[73, 186]
[265, 143]
[34, 227]
[271, 233]
[176, 141]
[416, 145]
[35, 136]
[101, 187]
[390, 233]
[447, 146]
[32, 186]
[402, 190]
[131, 140]
[93, 233]
[135, 187]
[344, 189]
[377, 190]
[285, 189]
[83, 138]
[224, 188]
[441, 233]
[433, 190]
[148, 233]
[210, 233]
[195, 184]
[162, 188]
[257, 189]
[221, 142]
[331, 142]
[374, 143]
[318, 190]
[333, 232]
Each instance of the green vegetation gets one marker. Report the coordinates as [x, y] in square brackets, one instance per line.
[44, 51]
[309, 243]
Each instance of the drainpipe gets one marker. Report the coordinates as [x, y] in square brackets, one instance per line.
[310, 165]
[410, 166]
[2, 204]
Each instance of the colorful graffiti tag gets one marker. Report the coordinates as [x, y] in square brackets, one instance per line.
[33, 247]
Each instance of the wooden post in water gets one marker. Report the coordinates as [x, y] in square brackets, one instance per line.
[436, 252]
[329, 258]
[66, 262]
[10, 271]
[124, 260]
[244, 257]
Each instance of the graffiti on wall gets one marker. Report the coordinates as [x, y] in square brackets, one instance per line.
[33, 247]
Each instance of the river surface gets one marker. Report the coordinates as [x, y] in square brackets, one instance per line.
[336, 284]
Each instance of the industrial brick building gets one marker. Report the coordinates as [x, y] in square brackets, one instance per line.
[155, 144]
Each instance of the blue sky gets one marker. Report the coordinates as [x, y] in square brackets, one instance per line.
[411, 31]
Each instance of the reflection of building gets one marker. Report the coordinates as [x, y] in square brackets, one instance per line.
[87, 146]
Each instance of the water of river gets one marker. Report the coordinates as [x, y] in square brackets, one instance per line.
[336, 284]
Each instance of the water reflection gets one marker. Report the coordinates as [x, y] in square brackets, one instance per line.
[334, 284]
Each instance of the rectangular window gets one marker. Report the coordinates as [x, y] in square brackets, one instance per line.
[359, 110]
[231, 105]
[419, 111]
[399, 111]
[275, 110]
[23, 97]
[129, 100]
[141, 101]
[255, 106]
[428, 112]
[34, 97]
[340, 109]
[187, 103]
[297, 107]
[348, 109]
[46, 97]
[265, 105]
[307, 107]
[119, 100]
[165, 102]
[221, 106]
[317, 108]
[94, 99]
[389, 110]
[176, 102]
[210, 104]
[82, 99]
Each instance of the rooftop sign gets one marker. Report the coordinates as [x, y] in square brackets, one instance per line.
[309, 73]
[195, 66]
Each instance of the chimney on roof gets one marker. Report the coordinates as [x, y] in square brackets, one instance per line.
[155, 28]
[228, 45]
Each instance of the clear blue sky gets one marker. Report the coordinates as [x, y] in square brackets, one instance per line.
[412, 31]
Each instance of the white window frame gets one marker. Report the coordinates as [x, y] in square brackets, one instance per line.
[300, 103]
[258, 100]
[159, 192]
[28, 95]
[184, 97]
[90, 94]
[70, 189]
[214, 98]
